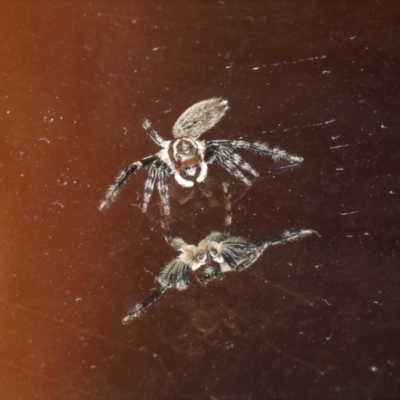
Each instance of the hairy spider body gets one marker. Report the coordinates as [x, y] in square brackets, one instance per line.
[214, 256]
[187, 158]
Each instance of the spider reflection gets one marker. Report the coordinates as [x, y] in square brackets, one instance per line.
[214, 256]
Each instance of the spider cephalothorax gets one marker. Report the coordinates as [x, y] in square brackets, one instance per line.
[214, 256]
[187, 158]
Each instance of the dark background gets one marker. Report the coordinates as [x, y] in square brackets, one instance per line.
[316, 319]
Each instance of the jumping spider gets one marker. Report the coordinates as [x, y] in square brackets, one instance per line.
[186, 157]
[214, 256]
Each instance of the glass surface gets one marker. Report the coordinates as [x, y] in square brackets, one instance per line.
[315, 319]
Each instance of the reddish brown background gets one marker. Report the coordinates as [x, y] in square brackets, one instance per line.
[317, 319]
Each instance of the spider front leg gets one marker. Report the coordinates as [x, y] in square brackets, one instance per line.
[260, 148]
[239, 254]
[143, 305]
[286, 237]
[174, 276]
[122, 178]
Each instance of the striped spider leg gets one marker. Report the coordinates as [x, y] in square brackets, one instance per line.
[214, 256]
[186, 157]
[222, 152]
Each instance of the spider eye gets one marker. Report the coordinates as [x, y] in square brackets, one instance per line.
[213, 252]
[202, 257]
[208, 275]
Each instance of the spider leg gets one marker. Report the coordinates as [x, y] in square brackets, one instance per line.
[243, 164]
[122, 178]
[163, 189]
[223, 158]
[238, 254]
[175, 274]
[152, 132]
[260, 148]
[141, 307]
[149, 186]
[286, 237]
[228, 209]
[211, 154]
[176, 243]
[167, 232]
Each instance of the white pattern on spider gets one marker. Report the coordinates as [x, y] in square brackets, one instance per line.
[186, 158]
[214, 256]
